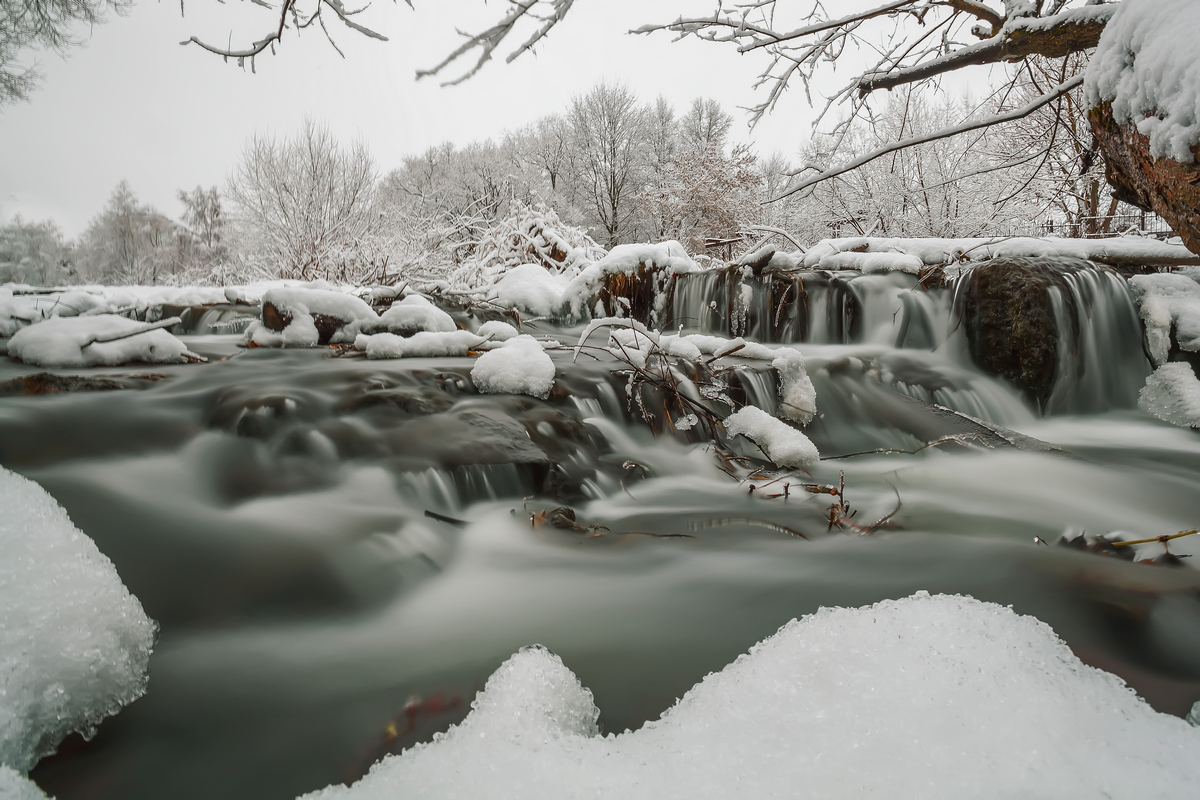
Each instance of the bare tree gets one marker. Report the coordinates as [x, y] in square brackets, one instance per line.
[127, 242]
[304, 197]
[705, 125]
[46, 24]
[607, 124]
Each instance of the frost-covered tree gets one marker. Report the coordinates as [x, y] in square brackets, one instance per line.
[128, 242]
[705, 125]
[303, 199]
[34, 253]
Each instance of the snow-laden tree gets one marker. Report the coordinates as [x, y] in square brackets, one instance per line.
[303, 199]
[35, 253]
[128, 242]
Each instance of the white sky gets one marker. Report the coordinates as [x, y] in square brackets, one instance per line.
[133, 104]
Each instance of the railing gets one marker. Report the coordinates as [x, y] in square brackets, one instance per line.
[1144, 223]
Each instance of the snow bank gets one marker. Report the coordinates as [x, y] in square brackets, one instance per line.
[668, 257]
[1172, 393]
[1168, 300]
[75, 342]
[419, 345]
[415, 313]
[1145, 66]
[853, 252]
[74, 643]
[530, 288]
[939, 698]
[782, 443]
[521, 366]
[797, 395]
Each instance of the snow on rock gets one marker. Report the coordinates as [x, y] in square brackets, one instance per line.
[934, 697]
[415, 313]
[530, 288]
[1172, 393]
[499, 331]
[1167, 301]
[669, 257]
[797, 395]
[521, 366]
[291, 314]
[18, 311]
[738, 347]
[77, 342]
[1144, 66]
[782, 443]
[74, 643]
[425, 344]
[873, 262]
[844, 252]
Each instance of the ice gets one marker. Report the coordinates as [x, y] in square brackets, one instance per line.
[420, 345]
[415, 313]
[1172, 393]
[499, 331]
[1145, 66]
[74, 643]
[15, 786]
[782, 443]
[797, 395]
[932, 697]
[74, 342]
[1168, 300]
[521, 366]
[530, 288]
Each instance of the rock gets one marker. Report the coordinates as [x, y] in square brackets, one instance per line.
[1165, 186]
[277, 320]
[50, 383]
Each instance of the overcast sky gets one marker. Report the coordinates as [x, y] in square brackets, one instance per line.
[133, 104]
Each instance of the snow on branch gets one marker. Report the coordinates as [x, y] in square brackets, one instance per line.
[487, 41]
[985, 122]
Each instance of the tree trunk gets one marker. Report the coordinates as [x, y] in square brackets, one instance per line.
[1165, 186]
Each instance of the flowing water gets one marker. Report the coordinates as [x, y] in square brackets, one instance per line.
[269, 510]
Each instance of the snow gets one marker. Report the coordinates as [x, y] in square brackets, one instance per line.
[66, 342]
[15, 786]
[668, 257]
[415, 313]
[17, 311]
[933, 697]
[737, 347]
[530, 288]
[1167, 301]
[797, 395]
[521, 366]
[300, 304]
[425, 344]
[499, 331]
[74, 643]
[782, 443]
[836, 253]
[1145, 66]
[873, 262]
[1172, 393]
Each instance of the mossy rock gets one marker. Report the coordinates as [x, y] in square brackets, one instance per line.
[1010, 323]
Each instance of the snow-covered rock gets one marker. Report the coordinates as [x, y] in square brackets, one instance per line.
[530, 288]
[1168, 301]
[1145, 66]
[933, 697]
[497, 330]
[797, 395]
[295, 316]
[415, 313]
[1172, 393]
[425, 344]
[80, 342]
[74, 643]
[521, 366]
[664, 258]
[782, 443]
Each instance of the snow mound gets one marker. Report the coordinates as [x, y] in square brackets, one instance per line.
[782, 443]
[74, 643]
[521, 366]
[17, 311]
[797, 395]
[928, 697]
[499, 331]
[1168, 300]
[1172, 393]
[1141, 66]
[530, 288]
[80, 342]
[415, 313]
[420, 345]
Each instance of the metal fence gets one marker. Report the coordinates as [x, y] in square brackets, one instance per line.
[1144, 223]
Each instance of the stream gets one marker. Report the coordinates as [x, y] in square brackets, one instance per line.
[270, 511]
